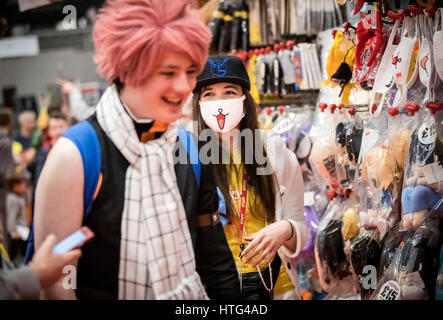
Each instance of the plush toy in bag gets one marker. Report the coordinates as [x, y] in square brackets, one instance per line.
[329, 248]
[413, 271]
[348, 139]
[422, 194]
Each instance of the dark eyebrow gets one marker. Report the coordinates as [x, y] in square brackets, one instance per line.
[228, 86]
[231, 86]
[206, 88]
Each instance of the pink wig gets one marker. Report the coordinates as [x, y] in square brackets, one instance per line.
[130, 37]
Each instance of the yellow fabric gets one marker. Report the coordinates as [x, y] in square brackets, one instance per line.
[267, 125]
[252, 69]
[412, 64]
[4, 253]
[335, 58]
[252, 225]
[43, 118]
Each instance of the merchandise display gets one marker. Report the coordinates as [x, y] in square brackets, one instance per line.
[344, 95]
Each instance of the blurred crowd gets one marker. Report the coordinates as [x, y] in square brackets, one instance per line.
[23, 153]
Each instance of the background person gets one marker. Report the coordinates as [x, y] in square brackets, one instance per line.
[151, 51]
[274, 227]
[45, 268]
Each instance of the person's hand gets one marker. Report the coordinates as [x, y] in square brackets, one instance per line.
[67, 86]
[48, 265]
[16, 236]
[264, 244]
[29, 156]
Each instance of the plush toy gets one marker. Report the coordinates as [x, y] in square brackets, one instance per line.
[399, 146]
[390, 245]
[415, 263]
[383, 175]
[350, 228]
[323, 159]
[419, 198]
[329, 254]
[365, 251]
[348, 140]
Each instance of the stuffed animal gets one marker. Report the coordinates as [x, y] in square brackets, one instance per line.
[419, 199]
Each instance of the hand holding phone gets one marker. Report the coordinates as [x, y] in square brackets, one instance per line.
[75, 240]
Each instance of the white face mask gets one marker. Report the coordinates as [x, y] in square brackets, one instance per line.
[401, 60]
[425, 59]
[222, 115]
[384, 80]
[438, 43]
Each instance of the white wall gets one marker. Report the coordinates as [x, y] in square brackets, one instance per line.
[31, 75]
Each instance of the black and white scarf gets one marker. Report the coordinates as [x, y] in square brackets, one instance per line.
[156, 254]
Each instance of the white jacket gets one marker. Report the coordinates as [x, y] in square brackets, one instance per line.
[289, 203]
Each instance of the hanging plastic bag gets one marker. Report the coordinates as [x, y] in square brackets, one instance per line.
[412, 273]
[421, 195]
[403, 68]
[390, 245]
[323, 150]
[437, 42]
[329, 254]
[384, 79]
[380, 191]
[348, 140]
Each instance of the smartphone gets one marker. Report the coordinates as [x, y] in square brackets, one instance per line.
[75, 240]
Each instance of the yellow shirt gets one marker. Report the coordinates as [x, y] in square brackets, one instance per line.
[253, 223]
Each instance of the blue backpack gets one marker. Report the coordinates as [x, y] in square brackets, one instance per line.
[85, 138]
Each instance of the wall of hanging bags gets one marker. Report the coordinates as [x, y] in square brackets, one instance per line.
[371, 158]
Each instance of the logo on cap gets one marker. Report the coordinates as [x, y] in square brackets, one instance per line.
[218, 67]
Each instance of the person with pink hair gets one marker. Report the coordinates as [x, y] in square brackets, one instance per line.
[115, 172]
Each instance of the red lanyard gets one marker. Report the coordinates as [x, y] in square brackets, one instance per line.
[242, 209]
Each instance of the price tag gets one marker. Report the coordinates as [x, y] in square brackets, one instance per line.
[309, 199]
[389, 291]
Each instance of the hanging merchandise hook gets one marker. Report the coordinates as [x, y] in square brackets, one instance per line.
[430, 11]
[393, 111]
[414, 10]
[434, 106]
[323, 106]
[412, 108]
[351, 111]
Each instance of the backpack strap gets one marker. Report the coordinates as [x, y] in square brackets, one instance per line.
[188, 142]
[85, 138]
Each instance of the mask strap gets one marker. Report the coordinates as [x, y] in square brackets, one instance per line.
[424, 27]
[388, 45]
[437, 17]
[410, 27]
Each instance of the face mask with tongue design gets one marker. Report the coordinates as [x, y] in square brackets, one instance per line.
[222, 115]
[401, 61]
[438, 43]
